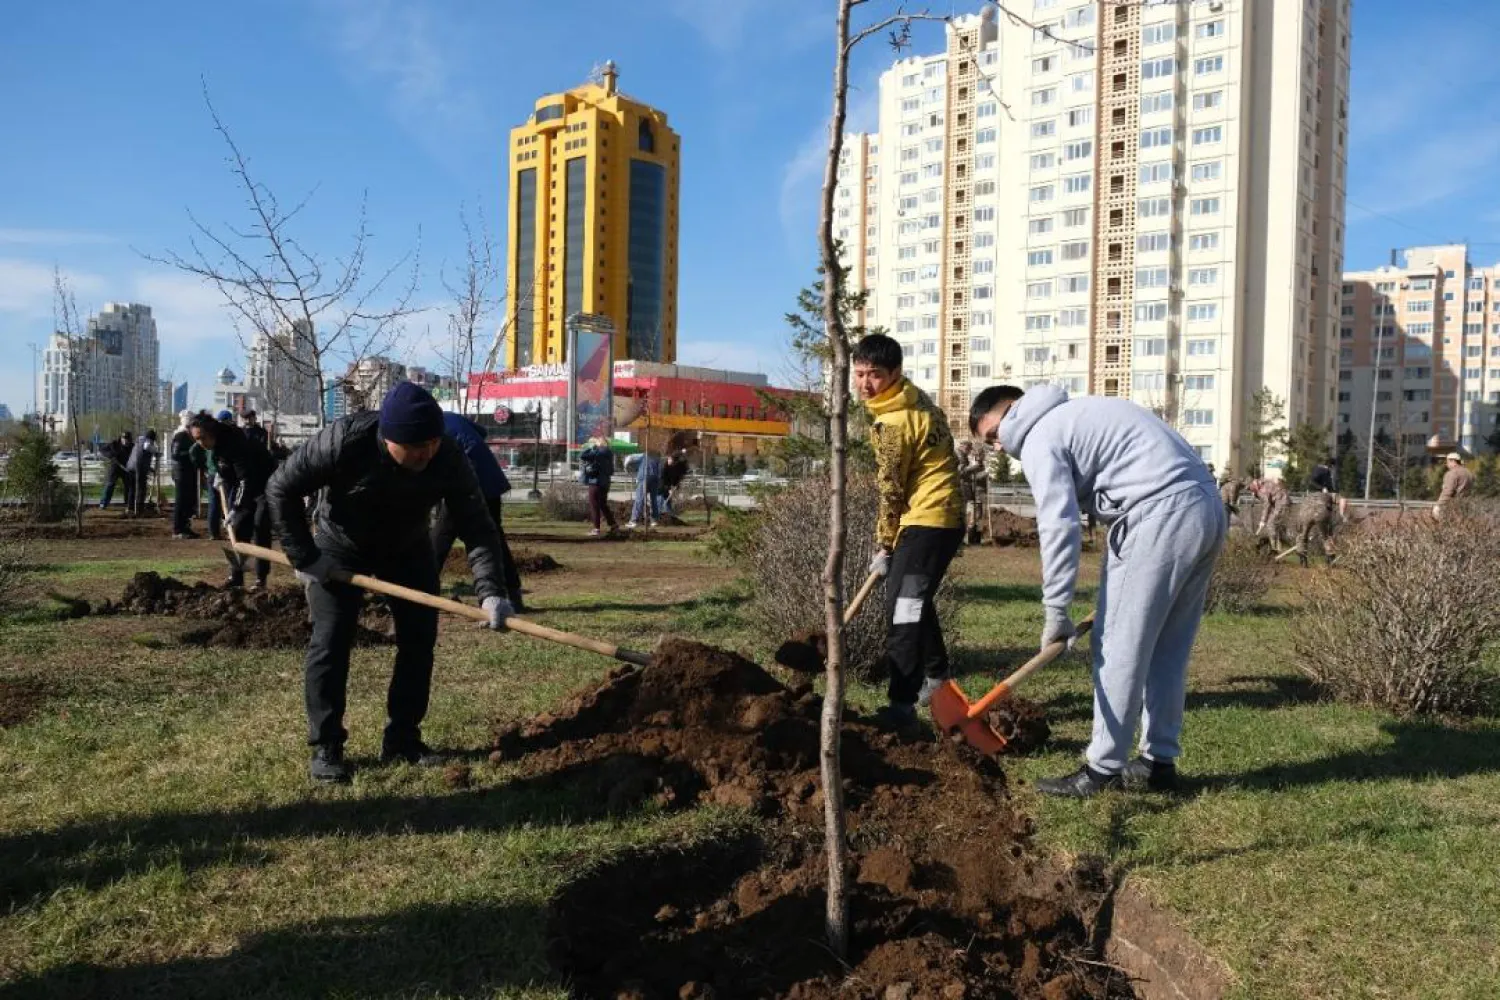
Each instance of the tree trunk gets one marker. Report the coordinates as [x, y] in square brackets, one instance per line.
[835, 842]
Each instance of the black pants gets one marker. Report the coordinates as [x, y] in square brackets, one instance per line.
[251, 522]
[135, 500]
[186, 504]
[335, 614]
[215, 510]
[444, 531]
[599, 506]
[914, 647]
[117, 474]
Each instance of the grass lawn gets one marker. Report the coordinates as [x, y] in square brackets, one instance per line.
[158, 836]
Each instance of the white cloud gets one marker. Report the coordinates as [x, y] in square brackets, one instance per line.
[408, 50]
[730, 25]
[26, 287]
[802, 178]
[52, 237]
[189, 312]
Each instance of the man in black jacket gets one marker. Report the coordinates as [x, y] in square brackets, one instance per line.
[184, 478]
[381, 475]
[244, 467]
[117, 453]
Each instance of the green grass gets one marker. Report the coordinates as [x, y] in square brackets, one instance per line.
[158, 836]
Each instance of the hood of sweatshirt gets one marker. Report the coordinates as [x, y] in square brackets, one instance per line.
[901, 396]
[1025, 412]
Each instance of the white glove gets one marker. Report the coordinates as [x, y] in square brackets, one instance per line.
[320, 570]
[880, 562]
[1059, 628]
[499, 609]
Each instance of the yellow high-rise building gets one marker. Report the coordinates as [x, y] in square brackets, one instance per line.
[592, 224]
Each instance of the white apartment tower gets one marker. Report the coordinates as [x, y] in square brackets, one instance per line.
[281, 369]
[129, 333]
[1131, 199]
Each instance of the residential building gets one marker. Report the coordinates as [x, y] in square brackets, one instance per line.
[235, 396]
[129, 332]
[281, 368]
[1419, 354]
[1134, 200]
[592, 224]
[368, 380]
[335, 401]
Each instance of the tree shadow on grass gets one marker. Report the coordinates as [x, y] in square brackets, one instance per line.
[91, 855]
[462, 949]
[1265, 691]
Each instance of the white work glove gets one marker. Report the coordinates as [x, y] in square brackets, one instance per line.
[880, 562]
[1059, 628]
[499, 609]
[320, 570]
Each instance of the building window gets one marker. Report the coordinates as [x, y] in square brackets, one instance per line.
[1151, 277]
[1202, 348]
[984, 214]
[1150, 312]
[1152, 138]
[1197, 418]
[1205, 206]
[1151, 347]
[1208, 100]
[1078, 150]
[1039, 290]
[525, 260]
[1155, 173]
[1211, 64]
[1148, 382]
[1037, 258]
[1203, 241]
[1202, 312]
[1043, 161]
[1203, 276]
[1198, 383]
[1038, 226]
[1079, 117]
[1039, 130]
[1074, 283]
[1076, 217]
[1039, 322]
[1210, 29]
[1208, 171]
[1158, 102]
[1045, 64]
[984, 135]
[645, 141]
[1208, 136]
[1152, 242]
[1155, 69]
[1075, 251]
[1077, 184]
[1041, 193]
[1155, 34]
[1149, 208]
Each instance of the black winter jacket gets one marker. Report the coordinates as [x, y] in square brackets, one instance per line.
[182, 452]
[373, 506]
[243, 465]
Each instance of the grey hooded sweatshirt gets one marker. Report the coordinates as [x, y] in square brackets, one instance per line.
[1092, 454]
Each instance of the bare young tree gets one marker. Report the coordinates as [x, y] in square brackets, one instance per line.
[67, 325]
[310, 310]
[471, 300]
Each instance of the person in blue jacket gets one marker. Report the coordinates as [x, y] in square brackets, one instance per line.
[598, 463]
[494, 485]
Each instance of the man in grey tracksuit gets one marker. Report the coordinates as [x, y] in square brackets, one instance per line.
[1118, 461]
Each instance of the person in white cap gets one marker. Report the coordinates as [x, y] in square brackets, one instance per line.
[1456, 482]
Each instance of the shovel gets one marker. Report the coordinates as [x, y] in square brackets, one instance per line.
[952, 712]
[399, 592]
[805, 653]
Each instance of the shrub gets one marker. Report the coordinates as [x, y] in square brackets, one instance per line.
[1242, 577]
[1406, 618]
[785, 563]
[565, 502]
[734, 535]
[32, 477]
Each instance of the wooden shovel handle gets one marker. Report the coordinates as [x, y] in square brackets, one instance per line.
[1049, 653]
[513, 623]
[859, 597]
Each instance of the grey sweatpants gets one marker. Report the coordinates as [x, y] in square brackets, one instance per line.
[1152, 586]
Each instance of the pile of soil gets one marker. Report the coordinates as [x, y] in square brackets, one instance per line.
[1007, 529]
[528, 562]
[268, 619]
[20, 699]
[949, 899]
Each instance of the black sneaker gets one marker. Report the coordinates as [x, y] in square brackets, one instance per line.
[418, 754]
[328, 766]
[1154, 775]
[236, 581]
[895, 718]
[1081, 784]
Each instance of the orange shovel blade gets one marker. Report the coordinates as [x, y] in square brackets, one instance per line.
[950, 713]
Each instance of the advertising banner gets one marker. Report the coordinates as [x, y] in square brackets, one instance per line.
[590, 377]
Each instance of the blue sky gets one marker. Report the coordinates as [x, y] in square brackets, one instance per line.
[408, 104]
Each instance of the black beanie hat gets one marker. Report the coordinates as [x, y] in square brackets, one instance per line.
[409, 415]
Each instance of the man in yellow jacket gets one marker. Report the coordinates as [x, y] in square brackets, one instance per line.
[919, 526]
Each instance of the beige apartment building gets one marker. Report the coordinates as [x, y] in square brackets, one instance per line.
[1136, 200]
[1422, 337]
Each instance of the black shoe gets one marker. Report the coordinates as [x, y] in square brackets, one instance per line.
[328, 766]
[1081, 784]
[1154, 775]
[418, 754]
[895, 718]
[235, 582]
[518, 604]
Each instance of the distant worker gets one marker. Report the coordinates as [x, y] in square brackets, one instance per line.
[117, 453]
[140, 465]
[244, 467]
[184, 478]
[918, 526]
[647, 489]
[378, 476]
[1230, 488]
[1456, 483]
[973, 478]
[1276, 503]
[598, 464]
[493, 485]
[673, 472]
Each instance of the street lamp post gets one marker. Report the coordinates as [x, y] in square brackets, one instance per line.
[1380, 303]
[536, 454]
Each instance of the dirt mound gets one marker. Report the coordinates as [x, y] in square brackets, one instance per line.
[269, 619]
[20, 699]
[1012, 529]
[949, 899]
[528, 562]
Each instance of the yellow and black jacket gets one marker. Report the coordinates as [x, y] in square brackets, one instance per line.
[916, 468]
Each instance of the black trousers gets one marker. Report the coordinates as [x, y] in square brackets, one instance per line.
[186, 504]
[335, 614]
[914, 646]
[135, 500]
[251, 522]
[444, 531]
[117, 474]
[215, 509]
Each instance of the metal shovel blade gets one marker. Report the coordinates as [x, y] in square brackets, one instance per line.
[950, 713]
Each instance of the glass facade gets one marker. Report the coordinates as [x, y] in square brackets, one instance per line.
[575, 234]
[551, 112]
[645, 295]
[525, 277]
